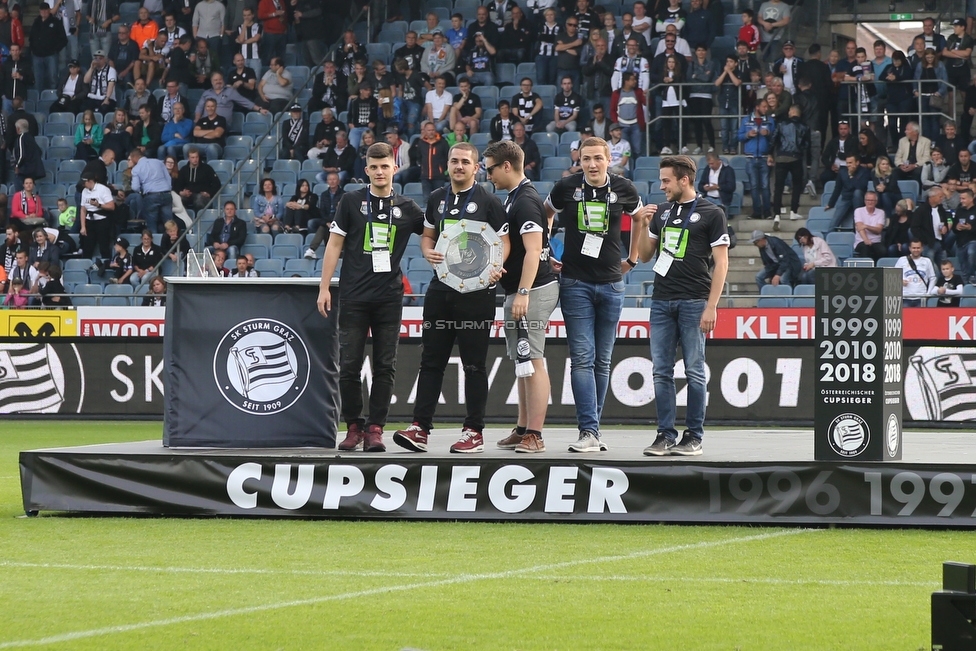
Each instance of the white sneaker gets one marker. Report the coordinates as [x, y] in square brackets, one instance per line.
[310, 255]
[776, 223]
[696, 151]
[684, 150]
[794, 216]
[711, 150]
[666, 151]
[811, 189]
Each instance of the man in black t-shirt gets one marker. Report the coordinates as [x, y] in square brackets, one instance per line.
[690, 237]
[948, 285]
[964, 229]
[526, 104]
[411, 52]
[531, 292]
[566, 108]
[210, 132]
[451, 316]
[960, 175]
[955, 55]
[371, 230]
[591, 207]
[243, 79]
[466, 108]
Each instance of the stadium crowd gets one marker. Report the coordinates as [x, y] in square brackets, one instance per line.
[123, 117]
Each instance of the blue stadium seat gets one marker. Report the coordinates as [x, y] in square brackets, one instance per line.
[269, 266]
[299, 265]
[776, 290]
[525, 70]
[774, 302]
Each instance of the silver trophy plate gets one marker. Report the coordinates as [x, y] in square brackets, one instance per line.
[472, 250]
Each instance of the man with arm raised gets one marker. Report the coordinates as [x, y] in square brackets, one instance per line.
[690, 237]
[372, 228]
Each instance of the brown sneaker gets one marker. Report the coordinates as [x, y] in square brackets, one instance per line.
[531, 442]
[511, 441]
[373, 441]
[353, 440]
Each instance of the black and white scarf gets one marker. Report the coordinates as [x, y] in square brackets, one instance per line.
[99, 83]
[295, 130]
[99, 11]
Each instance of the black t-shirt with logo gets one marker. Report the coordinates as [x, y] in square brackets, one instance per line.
[954, 43]
[965, 216]
[444, 208]
[583, 209]
[526, 214]
[387, 223]
[566, 105]
[690, 274]
[470, 105]
[207, 124]
[957, 173]
[245, 75]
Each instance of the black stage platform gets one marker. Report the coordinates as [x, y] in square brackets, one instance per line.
[760, 476]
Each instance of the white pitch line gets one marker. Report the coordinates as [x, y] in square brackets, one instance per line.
[742, 580]
[462, 578]
[11, 477]
[209, 570]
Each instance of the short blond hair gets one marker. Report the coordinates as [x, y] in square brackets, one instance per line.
[593, 141]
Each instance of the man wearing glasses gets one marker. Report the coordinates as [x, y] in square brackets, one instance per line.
[527, 104]
[569, 45]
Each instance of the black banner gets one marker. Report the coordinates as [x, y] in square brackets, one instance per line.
[769, 381]
[858, 400]
[499, 489]
[250, 364]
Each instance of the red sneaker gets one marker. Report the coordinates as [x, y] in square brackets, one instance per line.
[471, 442]
[353, 440]
[373, 441]
[414, 438]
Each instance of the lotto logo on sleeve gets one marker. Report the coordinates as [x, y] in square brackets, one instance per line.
[592, 217]
[379, 236]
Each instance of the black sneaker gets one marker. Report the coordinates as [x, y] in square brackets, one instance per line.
[661, 447]
[690, 446]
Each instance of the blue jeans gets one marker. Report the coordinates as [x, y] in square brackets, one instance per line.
[966, 253]
[157, 209]
[272, 45]
[730, 128]
[45, 72]
[209, 152]
[485, 78]
[845, 208]
[786, 279]
[758, 172]
[635, 136]
[572, 74]
[412, 112]
[591, 312]
[673, 322]
[356, 136]
[545, 70]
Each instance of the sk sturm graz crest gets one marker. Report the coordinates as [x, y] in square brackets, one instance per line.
[849, 435]
[261, 366]
[940, 384]
[33, 380]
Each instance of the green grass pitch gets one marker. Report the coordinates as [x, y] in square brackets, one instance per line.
[136, 583]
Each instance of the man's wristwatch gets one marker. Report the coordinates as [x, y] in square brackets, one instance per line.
[523, 291]
[631, 262]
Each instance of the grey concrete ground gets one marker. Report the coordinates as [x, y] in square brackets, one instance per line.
[748, 445]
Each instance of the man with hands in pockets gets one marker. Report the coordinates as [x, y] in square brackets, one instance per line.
[690, 237]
